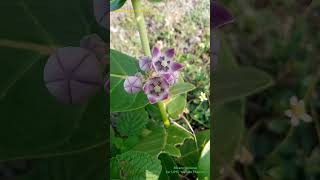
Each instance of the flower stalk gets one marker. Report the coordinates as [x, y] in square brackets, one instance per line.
[136, 4]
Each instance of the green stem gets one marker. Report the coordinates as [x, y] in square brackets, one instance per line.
[141, 26]
[164, 115]
[146, 48]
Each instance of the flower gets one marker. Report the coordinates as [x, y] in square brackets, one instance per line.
[171, 78]
[132, 84]
[203, 97]
[163, 62]
[297, 111]
[156, 89]
[162, 72]
[145, 64]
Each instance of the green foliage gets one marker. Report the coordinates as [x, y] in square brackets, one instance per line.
[162, 140]
[168, 164]
[123, 66]
[176, 135]
[132, 123]
[154, 139]
[116, 4]
[33, 123]
[204, 163]
[231, 84]
[191, 149]
[176, 106]
[228, 132]
[82, 166]
[153, 111]
[134, 165]
[181, 88]
[153, 143]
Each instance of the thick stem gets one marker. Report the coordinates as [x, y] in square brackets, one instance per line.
[42, 49]
[146, 48]
[141, 26]
[164, 115]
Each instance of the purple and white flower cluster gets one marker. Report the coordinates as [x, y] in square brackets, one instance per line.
[161, 72]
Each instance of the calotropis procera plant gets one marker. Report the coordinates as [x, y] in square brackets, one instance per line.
[150, 132]
[160, 72]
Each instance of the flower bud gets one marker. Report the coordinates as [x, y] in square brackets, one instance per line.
[72, 75]
[94, 44]
[145, 64]
[132, 84]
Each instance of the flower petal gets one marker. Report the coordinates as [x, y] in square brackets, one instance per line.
[165, 96]
[170, 53]
[288, 113]
[155, 52]
[146, 88]
[294, 121]
[301, 104]
[145, 64]
[294, 100]
[306, 117]
[169, 78]
[132, 84]
[152, 99]
[176, 66]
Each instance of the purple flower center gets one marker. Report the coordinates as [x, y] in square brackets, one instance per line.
[163, 64]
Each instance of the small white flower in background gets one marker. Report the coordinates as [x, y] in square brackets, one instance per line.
[203, 97]
[297, 112]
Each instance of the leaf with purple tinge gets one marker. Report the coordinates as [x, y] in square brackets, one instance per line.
[219, 16]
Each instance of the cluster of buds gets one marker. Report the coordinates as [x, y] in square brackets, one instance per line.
[160, 72]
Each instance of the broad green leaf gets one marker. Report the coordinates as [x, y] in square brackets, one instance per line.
[189, 152]
[176, 106]
[230, 82]
[236, 83]
[153, 143]
[176, 135]
[121, 66]
[134, 165]
[162, 140]
[228, 130]
[168, 165]
[154, 112]
[33, 123]
[228, 118]
[204, 163]
[132, 123]
[116, 4]
[87, 165]
[181, 88]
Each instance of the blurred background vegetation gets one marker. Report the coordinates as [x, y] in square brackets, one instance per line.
[183, 25]
[283, 39]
